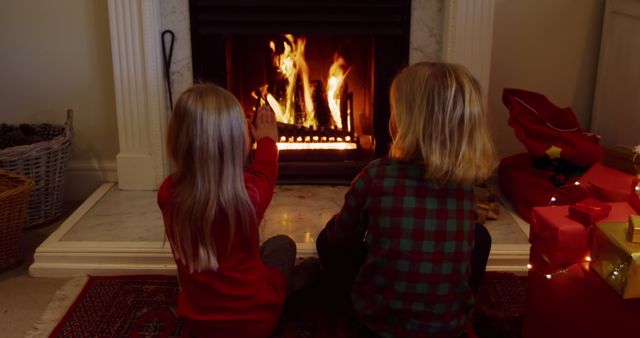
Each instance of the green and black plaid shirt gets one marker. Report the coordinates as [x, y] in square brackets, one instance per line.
[414, 280]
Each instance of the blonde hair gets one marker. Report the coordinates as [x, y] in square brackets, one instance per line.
[437, 118]
[206, 140]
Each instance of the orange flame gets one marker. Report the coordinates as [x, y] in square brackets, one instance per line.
[291, 63]
[337, 74]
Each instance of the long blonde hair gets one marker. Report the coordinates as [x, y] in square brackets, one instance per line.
[437, 118]
[207, 142]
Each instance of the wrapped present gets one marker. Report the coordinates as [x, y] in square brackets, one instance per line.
[619, 212]
[589, 211]
[625, 159]
[563, 241]
[560, 240]
[633, 231]
[607, 184]
[575, 302]
[616, 259]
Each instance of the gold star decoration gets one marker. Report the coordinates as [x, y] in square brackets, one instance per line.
[553, 152]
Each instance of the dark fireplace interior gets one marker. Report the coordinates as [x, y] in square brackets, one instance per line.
[324, 67]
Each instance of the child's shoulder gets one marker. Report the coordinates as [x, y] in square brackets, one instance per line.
[375, 165]
[389, 166]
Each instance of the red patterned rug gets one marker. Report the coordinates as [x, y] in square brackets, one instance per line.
[145, 306]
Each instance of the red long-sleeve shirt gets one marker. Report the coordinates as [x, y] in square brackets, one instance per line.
[244, 297]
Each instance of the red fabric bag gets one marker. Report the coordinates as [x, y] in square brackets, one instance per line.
[524, 185]
[549, 131]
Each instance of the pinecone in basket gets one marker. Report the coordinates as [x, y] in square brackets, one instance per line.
[48, 131]
[12, 136]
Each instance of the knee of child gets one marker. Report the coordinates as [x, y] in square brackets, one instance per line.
[285, 242]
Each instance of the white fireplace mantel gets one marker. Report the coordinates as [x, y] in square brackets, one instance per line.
[141, 106]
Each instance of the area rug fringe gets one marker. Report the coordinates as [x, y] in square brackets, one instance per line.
[57, 307]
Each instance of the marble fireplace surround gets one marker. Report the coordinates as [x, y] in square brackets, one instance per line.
[452, 30]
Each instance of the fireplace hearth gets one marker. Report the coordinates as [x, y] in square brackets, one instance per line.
[323, 66]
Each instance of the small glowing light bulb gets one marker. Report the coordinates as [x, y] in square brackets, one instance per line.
[553, 199]
[615, 273]
[548, 276]
[529, 266]
[587, 259]
[576, 183]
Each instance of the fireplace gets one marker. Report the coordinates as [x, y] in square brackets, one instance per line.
[323, 66]
[450, 30]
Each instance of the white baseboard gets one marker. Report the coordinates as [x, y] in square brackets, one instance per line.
[84, 177]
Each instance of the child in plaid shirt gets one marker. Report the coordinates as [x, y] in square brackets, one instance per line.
[407, 223]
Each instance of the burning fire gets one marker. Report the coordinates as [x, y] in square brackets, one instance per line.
[320, 109]
[316, 146]
[292, 66]
[337, 74]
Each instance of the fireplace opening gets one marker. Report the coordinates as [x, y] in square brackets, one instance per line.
[320, 88]
[324, 67]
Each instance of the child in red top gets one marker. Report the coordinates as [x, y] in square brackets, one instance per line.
[211, 206]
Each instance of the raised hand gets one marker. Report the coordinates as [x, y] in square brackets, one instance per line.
[265, 124]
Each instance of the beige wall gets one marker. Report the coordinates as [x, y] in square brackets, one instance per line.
[56, 55]
[547, 46]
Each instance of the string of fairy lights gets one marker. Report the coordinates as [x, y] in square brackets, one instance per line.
[554, 198]
[549, 275]
[616, 271]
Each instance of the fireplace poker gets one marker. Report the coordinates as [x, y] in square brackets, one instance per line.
[167, 61]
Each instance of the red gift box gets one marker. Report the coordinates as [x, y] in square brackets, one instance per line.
[589, 211]
[560, 240]
[575, 303]
[563, 241]
[607, 184]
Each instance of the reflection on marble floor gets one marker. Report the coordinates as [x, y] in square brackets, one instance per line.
[298, 211]
[301, 211]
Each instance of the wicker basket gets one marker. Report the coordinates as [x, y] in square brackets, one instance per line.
[14, 200]
[45, 163]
